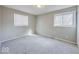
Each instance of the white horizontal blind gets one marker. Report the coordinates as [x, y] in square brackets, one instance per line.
[65, 19]
[20, 20]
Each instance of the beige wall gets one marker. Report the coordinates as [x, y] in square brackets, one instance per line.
[9, 30]
[45, 27]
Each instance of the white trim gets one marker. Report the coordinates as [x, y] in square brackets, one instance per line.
[59, 39]
[13, 38]
[65, 40]
[17, 37]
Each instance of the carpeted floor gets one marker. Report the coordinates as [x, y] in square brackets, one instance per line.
[38, 45]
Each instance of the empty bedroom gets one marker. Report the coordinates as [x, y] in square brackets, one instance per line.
[39, 29]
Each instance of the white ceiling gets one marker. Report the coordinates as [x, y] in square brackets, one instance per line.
[37, 11]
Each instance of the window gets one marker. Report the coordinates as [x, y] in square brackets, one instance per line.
[20, 20]
[65, 19]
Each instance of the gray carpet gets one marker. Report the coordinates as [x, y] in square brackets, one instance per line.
[37, 45]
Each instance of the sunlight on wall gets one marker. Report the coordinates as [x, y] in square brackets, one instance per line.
[30, 32]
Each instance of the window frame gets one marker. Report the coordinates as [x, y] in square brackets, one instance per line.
[64, 13]
[16, 24]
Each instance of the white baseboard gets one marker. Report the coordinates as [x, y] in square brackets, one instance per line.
[40, 35]
[13, 38]
[60, 39]
[17, 37]
[66, 40]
